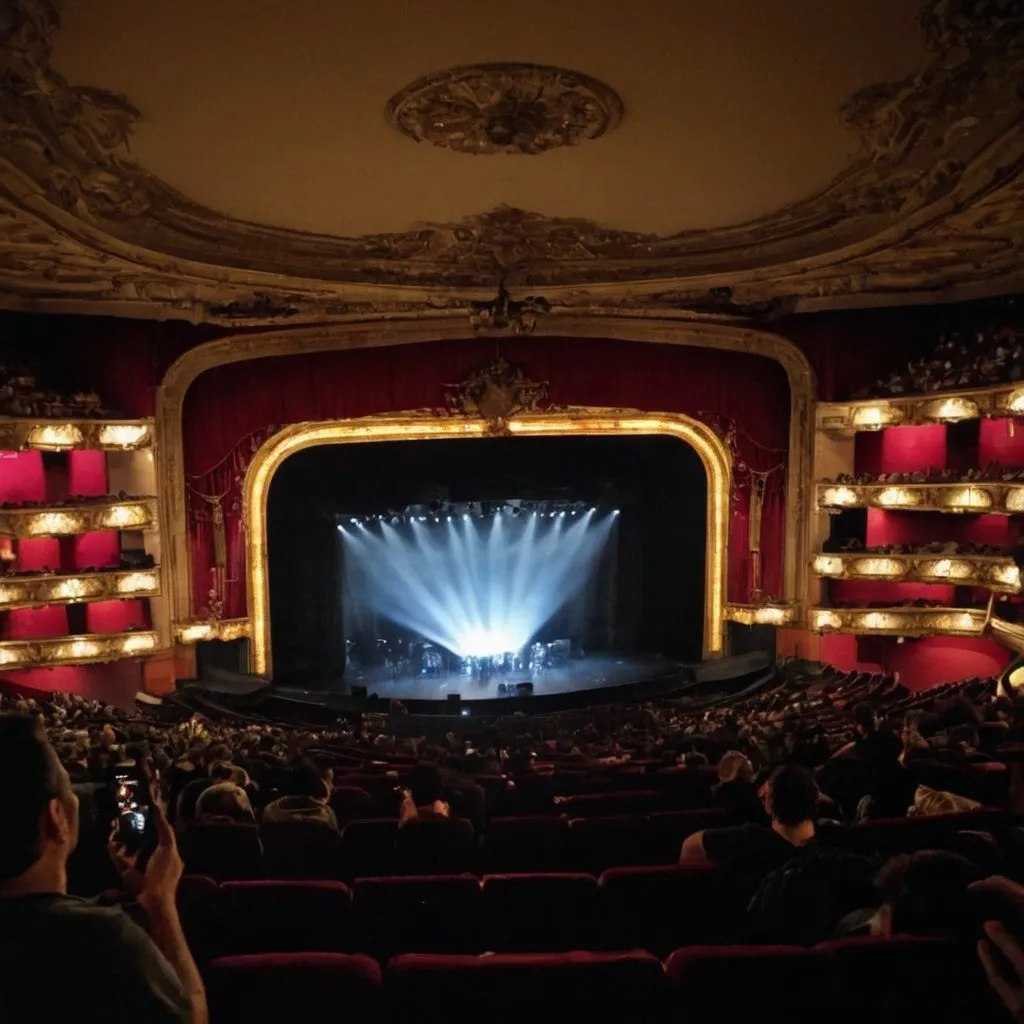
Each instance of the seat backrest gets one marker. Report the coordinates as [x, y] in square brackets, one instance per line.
[667, 830]
[368, 847]
[536, 843]
[436, 847]
[539, 988]
[908, 977]
[301, 849]
[413, 914]
[539, 912]
[198, 900]
[664, 907]
[284, 917]
[596, 844]
[224, 852]
[784, 983]
[601, 805]
[350, 802]
[273, 987]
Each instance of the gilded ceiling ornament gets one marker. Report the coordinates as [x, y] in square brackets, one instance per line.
[496, 393]
[505, 108]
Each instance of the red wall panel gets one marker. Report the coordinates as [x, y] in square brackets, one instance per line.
[21, 477]
[87, 473]
[99, 549]
[36, 623]
[116, 616]
[1001, 441]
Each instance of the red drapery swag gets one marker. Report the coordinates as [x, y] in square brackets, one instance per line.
[231, 410]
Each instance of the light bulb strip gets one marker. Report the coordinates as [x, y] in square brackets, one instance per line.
[33, 591]
[202, 630]
[958, 497]
[911, 622]
[28, 433]
[991, 572]
[69, 520]
[78, 650]
[994, 401]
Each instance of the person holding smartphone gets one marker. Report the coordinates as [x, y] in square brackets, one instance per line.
[60, 955]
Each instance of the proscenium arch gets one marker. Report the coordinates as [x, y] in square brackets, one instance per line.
[638, 326]
[589, 422]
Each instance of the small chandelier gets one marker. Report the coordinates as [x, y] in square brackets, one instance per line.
[502, 313]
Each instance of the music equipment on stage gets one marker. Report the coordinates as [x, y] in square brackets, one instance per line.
[503, 689]
[524, 689]
[359, 692]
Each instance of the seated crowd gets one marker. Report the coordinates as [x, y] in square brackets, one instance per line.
[820, 843]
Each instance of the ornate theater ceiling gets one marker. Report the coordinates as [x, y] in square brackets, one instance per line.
[272, 161]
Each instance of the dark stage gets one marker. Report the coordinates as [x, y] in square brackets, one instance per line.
[594, 672]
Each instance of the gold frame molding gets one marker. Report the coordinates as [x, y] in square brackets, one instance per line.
[589, 421]
[640, 325]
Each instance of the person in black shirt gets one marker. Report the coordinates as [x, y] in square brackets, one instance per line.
[753, 850]
[62, 958]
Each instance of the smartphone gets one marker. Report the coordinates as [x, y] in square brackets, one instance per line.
[131, 793]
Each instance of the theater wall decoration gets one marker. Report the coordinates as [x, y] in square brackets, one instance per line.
[875, 159]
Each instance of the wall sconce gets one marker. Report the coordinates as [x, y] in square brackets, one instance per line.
[55, 437]
[950, 410]
[876, 417]
[838, 497]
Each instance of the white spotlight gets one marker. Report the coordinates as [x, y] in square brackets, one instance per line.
[562, 513]
[423, 519]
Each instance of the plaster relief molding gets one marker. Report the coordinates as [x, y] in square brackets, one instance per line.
[383, 332]
[930, 208]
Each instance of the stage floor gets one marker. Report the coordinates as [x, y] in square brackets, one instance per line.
[590, 673]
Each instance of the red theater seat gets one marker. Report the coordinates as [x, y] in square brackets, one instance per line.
[602, 805]
[368, 847]
[272, 988]
[224, 852]
[526, 844]
[749, 983]
[662, 908]
[555, 987]
[198, 900]
[284, 917]
[539, 912]
[446, 847]
[300, 849]
[421, 914]
[596, 844]
[894, 980]
[666, 830]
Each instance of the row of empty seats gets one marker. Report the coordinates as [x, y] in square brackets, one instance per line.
[654, 908]
[854, 980]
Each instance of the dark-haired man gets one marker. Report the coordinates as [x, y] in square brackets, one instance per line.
[60, 956]
[753, 850]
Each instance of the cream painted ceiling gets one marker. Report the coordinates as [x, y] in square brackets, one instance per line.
[271, 111]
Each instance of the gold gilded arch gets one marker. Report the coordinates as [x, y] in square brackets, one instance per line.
[588, 422]
[638, 327]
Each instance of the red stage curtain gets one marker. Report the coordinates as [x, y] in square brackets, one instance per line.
[231, 409]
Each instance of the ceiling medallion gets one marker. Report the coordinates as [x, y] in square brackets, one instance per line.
[505, 108]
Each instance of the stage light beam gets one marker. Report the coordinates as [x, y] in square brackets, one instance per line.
[473, 590]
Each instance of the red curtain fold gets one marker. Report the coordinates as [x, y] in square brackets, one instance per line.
[230, 410]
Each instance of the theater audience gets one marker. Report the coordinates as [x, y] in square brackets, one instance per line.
[754, 850]
[736, 791]
[421, 799]
[226, 803]
[62, 958]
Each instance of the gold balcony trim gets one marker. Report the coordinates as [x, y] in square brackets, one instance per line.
[77, 650]
[201, 630]
[912, 622]
[972, 497]
[27, 433]
[991, 572]
[77, 588]
[762, 614]
[69, 520]
[999, 400]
